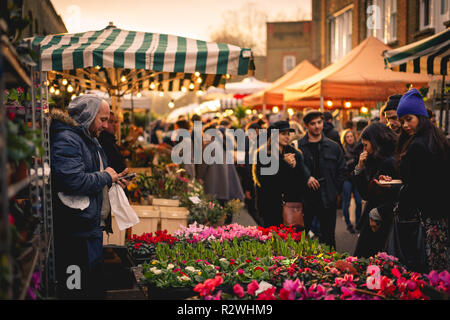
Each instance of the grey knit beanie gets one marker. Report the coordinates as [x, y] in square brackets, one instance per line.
[83, 109]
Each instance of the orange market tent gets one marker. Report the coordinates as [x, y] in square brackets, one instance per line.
[273, 95]
[358, 76]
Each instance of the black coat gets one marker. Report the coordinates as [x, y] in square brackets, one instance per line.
[425, 175]
[369, 242]
[351, 155]
[112, 151]
[332, 164]
[287, 184]
[331, 133]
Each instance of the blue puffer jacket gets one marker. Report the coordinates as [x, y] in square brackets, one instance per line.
[75, 168]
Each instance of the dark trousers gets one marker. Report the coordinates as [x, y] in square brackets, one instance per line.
[347, 190]
[326, 217]
[77, 276]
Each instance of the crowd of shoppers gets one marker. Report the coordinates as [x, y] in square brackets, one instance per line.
[317, 165]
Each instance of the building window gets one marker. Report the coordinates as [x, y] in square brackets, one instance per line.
[288, 63]
[433, 14]
[384, 20]
[392, 21]
[341, 35]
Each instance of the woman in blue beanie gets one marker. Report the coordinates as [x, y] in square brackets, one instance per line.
[423, 159]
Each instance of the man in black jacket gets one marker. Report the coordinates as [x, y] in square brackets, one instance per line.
[328, 128]
[325, 160]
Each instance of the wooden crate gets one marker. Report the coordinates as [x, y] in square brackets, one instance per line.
[172, 218]
[149, 218]
[165, 202]
[117, 237]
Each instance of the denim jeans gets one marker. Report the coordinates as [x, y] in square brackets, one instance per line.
[347, 191]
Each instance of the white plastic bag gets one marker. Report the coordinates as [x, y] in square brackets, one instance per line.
[74, 202]
[126, 217]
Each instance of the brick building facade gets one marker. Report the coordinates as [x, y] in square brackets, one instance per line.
[44, 18]
[340, 25]
[288, 44]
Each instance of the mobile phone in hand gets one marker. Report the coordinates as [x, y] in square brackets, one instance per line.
[129, 176]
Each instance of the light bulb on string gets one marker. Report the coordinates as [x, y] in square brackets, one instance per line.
[70, 88]
[171, 104]
[52, 89]
[191, 86]
[291, 111]
[139, 95]
[57, 92]
[64, 82]
[161, 94]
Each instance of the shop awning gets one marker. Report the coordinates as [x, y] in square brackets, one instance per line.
[358, 76]
[273, 95]
[120, 61]
[427, 56]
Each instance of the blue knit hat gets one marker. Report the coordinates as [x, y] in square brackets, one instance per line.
[411, 103]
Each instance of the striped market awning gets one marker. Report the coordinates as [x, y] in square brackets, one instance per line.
[123, 61]
[427, 56]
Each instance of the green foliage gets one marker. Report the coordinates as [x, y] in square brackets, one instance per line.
[22, 142]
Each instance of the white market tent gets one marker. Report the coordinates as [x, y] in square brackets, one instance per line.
[246, 86]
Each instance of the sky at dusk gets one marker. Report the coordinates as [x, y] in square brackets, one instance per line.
[188, 18]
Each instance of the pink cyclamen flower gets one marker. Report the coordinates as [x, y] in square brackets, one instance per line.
[238, 290]
[252, 287]
[396, 273]
[373, 282]
[433, 276]
[240, 272]
[373, 270]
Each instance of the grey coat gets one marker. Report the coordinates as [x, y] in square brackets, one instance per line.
[220, 180]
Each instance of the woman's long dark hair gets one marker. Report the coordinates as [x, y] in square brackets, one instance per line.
[382, 139]
[436, 141]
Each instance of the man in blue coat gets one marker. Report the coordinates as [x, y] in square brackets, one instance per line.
[80, 182]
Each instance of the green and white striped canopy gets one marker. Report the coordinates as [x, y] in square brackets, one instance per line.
[116, 48]
[427, 56]
[101, 59]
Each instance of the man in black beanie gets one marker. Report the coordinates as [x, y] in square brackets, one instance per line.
[328, 128]
[390, 112]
